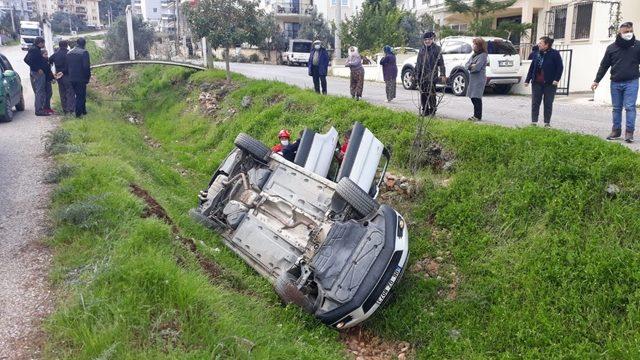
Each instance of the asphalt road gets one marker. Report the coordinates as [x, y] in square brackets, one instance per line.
[575, 113]
[25, 297]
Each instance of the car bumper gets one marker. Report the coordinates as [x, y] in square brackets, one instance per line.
[503, 80]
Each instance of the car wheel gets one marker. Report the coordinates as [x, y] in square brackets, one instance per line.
[459, 84]
[290, 294]
[20, 105]
[408, 82]
[356, 197]
[252, 147]
[502, 89]
[7, 113]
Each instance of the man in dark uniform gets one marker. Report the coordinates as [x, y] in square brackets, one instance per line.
[79, 65]
[59, 59]
[428, 66]
[37, 66]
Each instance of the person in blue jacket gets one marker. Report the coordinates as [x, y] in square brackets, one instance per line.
[545, 73]
[318, 65]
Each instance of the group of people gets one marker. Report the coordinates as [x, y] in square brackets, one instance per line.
[318, 65]
[72, 73]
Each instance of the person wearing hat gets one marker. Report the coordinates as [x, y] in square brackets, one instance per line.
[285, 137]
[37, 66]
[318, 64]
[429, 69]
[389, 72]
[623, 57]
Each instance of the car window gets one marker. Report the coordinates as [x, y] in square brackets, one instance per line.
[453, 47]
[5, 63]
[501, 48]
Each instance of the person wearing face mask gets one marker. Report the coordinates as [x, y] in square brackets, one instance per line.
[477, 67]
[623, 57]
[545, 72]
[354, 63]
[284, 136]
[389, 72]
[428, 66]
[318, 64]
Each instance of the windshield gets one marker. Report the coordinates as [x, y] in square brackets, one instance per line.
[301, 47]
[501, 47]
[30, 32]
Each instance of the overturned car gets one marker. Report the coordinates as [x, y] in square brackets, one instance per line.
[328, 247]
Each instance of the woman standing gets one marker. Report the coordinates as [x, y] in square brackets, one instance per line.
[545, 72]
[354, 63]
[389, 72]
[477, 66]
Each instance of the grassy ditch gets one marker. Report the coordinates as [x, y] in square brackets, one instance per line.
[518, 249]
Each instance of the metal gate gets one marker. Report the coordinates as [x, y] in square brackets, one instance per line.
[565, 80]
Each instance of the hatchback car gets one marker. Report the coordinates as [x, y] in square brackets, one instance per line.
[325, 246]
[11, 91]
[503, 68]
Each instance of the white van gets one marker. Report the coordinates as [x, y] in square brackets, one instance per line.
[29, 30]
[298, 52]
[503, 69]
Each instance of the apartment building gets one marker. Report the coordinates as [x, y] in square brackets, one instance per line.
[24, 9]
[87, 10]
[349, 8]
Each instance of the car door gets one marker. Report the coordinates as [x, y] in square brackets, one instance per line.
[455, 54]
[13, 85]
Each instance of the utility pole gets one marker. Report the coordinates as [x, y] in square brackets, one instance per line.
[177, 27]
[13, 22]
[336, 52]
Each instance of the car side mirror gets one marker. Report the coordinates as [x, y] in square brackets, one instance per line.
[9, 73]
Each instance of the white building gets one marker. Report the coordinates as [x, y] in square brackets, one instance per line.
[349, 8]
[25, 9]
[586, 27]
[150, 10]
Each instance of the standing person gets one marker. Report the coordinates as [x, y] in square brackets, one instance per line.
[50, 78]
[623, 56]
[545, 72]
[79, 65]
[318, 65]
[354, 63]
[477, 67]
[59, 60]
[428, 66]
[37, 64]
[389, 72]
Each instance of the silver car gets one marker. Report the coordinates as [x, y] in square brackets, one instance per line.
[328, 247]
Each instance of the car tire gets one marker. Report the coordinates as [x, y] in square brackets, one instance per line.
[20, 105]
[502, 89]
[7, 113]
[459, 83]
[252, 147]
[408, 80]
[357, 198]
[285, 288]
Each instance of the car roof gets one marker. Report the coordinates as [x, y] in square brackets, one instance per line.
[470, 38]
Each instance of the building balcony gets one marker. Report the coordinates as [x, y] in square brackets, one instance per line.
[292, 8]
[168, 17]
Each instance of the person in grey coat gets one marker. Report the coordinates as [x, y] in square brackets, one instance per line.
[477, 67]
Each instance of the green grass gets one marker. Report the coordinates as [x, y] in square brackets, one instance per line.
[548, 262]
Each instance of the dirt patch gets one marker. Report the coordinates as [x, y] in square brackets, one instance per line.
[212, 95]
[436, 156]
[363, 345]
[153, 208]
[151, 143]
[275, 99]
[440, 268]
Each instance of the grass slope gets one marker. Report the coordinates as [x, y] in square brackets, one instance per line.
[548, 262]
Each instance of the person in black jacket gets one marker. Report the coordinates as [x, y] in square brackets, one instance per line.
[49, 79]
[37, 65]
[59, 60]
[79, 65]
[429, 65]
[623, 57]
[545, 73]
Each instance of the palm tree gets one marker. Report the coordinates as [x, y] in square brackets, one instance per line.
[477, 8]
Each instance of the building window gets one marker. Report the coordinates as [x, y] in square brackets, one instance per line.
[582, 20]
[344, 2]
[557, 21]
[424, 2]
[155, 10]
[291, 30]
[460, 27]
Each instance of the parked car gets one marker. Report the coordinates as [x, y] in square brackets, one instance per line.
[328, 247]
[298, 52]
[503, 69]
[11, 91]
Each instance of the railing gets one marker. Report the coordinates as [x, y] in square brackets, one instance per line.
[292, 7]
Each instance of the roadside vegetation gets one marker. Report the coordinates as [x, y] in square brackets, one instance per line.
[524, 246]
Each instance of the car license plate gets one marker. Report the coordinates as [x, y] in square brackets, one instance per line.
[505, 63]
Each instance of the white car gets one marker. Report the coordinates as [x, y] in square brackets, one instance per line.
[503, 69]
[298, 52]
[325, 246]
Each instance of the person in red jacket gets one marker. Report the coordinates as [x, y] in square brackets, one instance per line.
[284, 136]
[343, 148]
